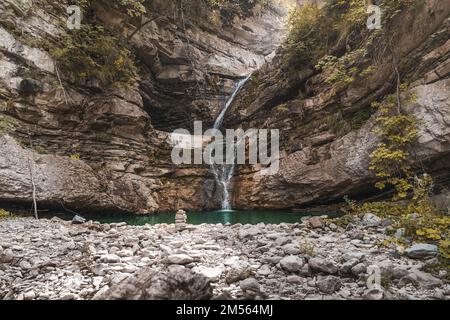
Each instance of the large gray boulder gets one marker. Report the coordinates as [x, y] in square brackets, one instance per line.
[179, 259]
[292, 263]
[328, 284]
[323, 265]
[421, 279]
[177, 283]
[422, 251]
[371, 220]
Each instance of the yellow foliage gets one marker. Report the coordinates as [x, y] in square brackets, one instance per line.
[4, 213]
[341, 71]
[444, 248]
[429, 234]
[418, 216]
[305, 41]
[75, 157]
[390, 160]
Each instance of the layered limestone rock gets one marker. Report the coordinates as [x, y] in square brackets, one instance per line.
[193, 58]
[324, 155]
[93, 148]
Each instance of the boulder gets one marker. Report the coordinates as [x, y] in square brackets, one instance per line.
[177, 283]
[359, 269]
[239, 270]
[291, 249]
[421, 279]
[179, 259]
[328, 284]
[6, 256]
[29, 295]
[374, 294]
[78, 220]
[265, 270]
[110, 258]
[316, 222]
[294, 279]
[250, 284]
[353, 255]
[249, 233]
[124, 253]
[371, 220]
[346, 268]
[292, 263]
[323, 265]
[422, 251]
[213, 274]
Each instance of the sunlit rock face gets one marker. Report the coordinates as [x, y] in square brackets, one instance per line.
[194, 59]
[97, 149]
[323, 159]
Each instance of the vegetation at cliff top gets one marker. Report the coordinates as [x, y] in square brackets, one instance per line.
[229, 9]
[133, 8]
[415, 214]
[335, 30]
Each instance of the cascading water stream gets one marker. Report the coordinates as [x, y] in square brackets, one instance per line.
[223, 173]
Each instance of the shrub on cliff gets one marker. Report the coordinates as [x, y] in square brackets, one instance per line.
[336, 28]
[318, 30]
[7, 123]
[4, 213]
[229, 9]
[308, 35]
[133, 8]
[411, 208]
[92, 53]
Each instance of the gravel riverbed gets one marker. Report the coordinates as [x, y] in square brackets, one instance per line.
[53, 259]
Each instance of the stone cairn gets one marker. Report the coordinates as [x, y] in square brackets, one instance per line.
[180, 220]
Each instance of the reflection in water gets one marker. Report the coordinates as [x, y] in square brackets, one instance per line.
[224, 217]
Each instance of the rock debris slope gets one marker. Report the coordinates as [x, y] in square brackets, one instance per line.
[52, 259]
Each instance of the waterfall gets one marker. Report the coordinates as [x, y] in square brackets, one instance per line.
[221, 116]
[223, 173]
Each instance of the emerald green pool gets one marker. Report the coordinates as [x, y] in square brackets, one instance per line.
[213, 217]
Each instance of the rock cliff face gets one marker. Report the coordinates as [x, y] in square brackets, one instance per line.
[323, 156]
[194, 59]
[96, 149]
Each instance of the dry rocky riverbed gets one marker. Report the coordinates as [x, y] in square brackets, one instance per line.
[53, 259]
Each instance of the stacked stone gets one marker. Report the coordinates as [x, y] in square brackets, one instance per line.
[180, 220]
